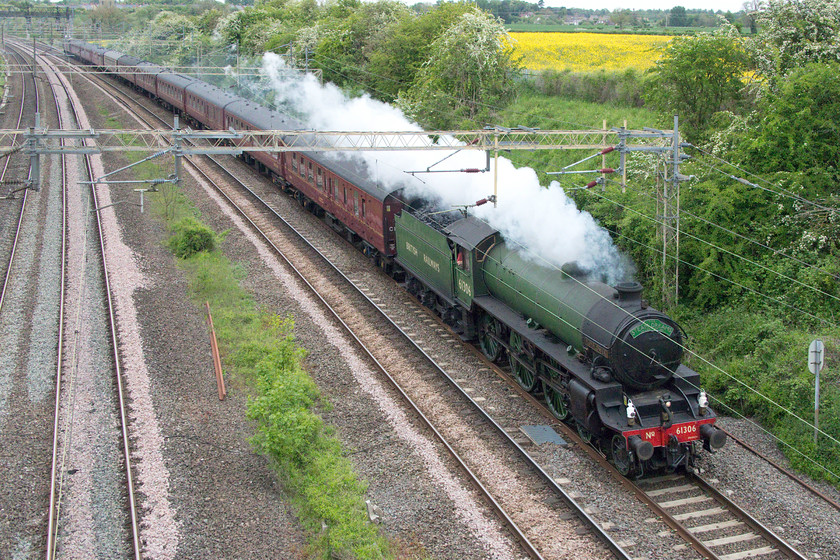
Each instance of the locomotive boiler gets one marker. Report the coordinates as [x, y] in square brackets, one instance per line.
[601, 357]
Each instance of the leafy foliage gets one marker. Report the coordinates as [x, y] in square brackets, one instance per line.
[190, 237]
[761, 255]
[697, 77]
[260, 351]
[395, 64]
[800, 124]
[304, 449]
[608, 88]
[466, 76]
[794, 34]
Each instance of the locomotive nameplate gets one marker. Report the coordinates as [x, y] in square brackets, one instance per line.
[650, 326]
[431, 262]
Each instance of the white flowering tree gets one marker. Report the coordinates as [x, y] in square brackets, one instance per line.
[794, 33]
[467, 75]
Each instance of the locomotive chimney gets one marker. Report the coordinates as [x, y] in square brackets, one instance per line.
[628, 293]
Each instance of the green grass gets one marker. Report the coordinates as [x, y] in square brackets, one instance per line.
[261, 357]
[603, 28]
[554, 113]
[754, 353]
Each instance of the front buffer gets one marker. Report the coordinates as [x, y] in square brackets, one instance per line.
[664, 428]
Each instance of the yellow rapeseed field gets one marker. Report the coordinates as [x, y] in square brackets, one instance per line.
[583, 52]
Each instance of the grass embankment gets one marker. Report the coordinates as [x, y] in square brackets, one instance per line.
[262, 357]
[556, 113]
[760, 370]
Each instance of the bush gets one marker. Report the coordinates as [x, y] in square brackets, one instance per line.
[190, 237]
[619, 88]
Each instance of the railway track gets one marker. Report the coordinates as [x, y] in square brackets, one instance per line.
[713, 524]
[70, 446]
[448, 410]
[16, 185]
[704, 547]
[430, 391]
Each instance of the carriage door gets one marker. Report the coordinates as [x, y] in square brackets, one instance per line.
[463, 275]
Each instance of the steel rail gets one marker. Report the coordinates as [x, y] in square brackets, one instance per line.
[500, 511]
[685, 533]
[783, 470]
[126, 442]
[633, 487]
[603, 462]
[51, 521]
[748, 519]
[8, 273]
[578, 510]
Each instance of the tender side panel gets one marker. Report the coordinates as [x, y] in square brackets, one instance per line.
[425, 253]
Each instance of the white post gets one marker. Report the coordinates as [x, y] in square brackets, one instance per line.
[816, 360]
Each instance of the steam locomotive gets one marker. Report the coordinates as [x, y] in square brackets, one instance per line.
[601, 357]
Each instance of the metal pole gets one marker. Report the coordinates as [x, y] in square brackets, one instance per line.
[817, 408]
[623, 162]
[496, 171]
[177, 152]
[34, 157]
[677, 209]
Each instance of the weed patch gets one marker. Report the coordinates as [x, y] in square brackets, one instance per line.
[261, 355]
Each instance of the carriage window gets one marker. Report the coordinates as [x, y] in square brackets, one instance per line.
[356, 203]
[363, 208]
[294, 162]
[345, 195]
[320, 180]
[310, 171]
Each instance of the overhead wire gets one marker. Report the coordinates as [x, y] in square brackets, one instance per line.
[692, 353]
[743, 237]
[752, 290]
[780, 192]
[728, 375]
[781, 407]
[744, 287]
[434, 217]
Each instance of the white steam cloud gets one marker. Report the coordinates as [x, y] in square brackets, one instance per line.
[543, 220]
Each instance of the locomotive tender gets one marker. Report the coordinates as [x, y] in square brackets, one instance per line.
[601, 356]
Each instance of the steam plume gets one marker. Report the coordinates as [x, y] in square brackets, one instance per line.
[543, 220]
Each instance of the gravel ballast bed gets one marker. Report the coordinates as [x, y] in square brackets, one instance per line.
[225, 499]
[205, 439]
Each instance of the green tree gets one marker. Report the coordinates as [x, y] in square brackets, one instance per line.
[623, 18]
[346, 42]
[800, 128]
[678, 17]
[697, 77]
[395, 63]
[107, 17]
[466, 76]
